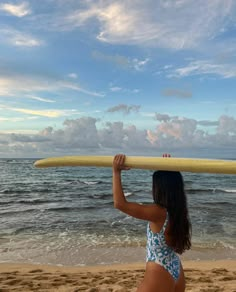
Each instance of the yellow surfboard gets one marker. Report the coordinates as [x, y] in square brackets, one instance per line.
[152, 163]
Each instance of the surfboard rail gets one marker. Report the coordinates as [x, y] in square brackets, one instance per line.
[142, 162]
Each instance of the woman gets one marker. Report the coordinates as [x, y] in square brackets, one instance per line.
[168, 229]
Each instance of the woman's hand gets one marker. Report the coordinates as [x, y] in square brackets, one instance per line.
[166, 155]
[119, 163]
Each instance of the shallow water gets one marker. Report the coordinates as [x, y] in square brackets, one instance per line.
[66, 215]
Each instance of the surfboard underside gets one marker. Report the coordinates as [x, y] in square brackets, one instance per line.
[151, 163]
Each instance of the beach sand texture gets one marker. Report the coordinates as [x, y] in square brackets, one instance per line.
[200, 276]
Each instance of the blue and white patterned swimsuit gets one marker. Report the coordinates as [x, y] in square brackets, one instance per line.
[159, 252]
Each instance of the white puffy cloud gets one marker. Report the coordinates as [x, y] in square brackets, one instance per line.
[227, 126]
[171, 24]
[18, 10]
[112, 135]
[177, 132]
[184, 132]
[87, 135]
[79, 133]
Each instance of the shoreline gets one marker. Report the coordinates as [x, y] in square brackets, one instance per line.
[215, 275]
[87, 256]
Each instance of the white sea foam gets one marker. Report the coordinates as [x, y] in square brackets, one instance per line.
[90, 182]
[230, 191]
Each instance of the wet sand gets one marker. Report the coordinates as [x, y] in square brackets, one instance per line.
[201, 276]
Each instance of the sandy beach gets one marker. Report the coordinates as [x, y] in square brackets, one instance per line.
[202, 276]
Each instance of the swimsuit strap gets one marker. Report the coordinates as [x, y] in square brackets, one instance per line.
[165, 224]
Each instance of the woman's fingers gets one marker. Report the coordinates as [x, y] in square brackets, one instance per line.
[166, 155]
[119, 162]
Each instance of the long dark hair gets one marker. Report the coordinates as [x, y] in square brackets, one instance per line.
[168, 192]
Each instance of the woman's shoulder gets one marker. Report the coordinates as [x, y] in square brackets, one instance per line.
[159, 208]
[160, 211]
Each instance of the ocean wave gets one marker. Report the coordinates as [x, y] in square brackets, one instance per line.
[90, 182]
[128, 194]
[220, 203]
[218, 244]
[208, 190]
[101, 196]
[24, 230]
[40, 201]
[230, 191]
[25, 190]
[13, 213]
[5, 202]
[17, 161]
[70, 208]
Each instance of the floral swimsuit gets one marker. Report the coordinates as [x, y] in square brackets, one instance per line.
[159, 252]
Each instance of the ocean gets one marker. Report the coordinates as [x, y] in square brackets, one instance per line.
[65, 216]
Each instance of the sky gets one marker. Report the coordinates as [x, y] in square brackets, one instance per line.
[105, 77]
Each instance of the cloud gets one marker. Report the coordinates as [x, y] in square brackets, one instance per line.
[43, 113]
[76, 87]
[79, 133]
[27, 138]
[40, 99]
[53, 113]
[86, 135]
[227, 126]
[73, 75]
[126, 109]
[16, 119]
[140, 64]
[162, 117]
[208, 123]
[178, 131]
[119, 60]
[15, 84]
[119, 89]
[164, 24]
[169, 24]
[122, 61]
[203, 67]
[177, 93]
[118, 136]
[184, 132]
[18, 10]
[167, 118]
[115, 88]
[3, 142]
[19, 39]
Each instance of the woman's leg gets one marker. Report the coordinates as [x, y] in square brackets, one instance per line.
[156, 279]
